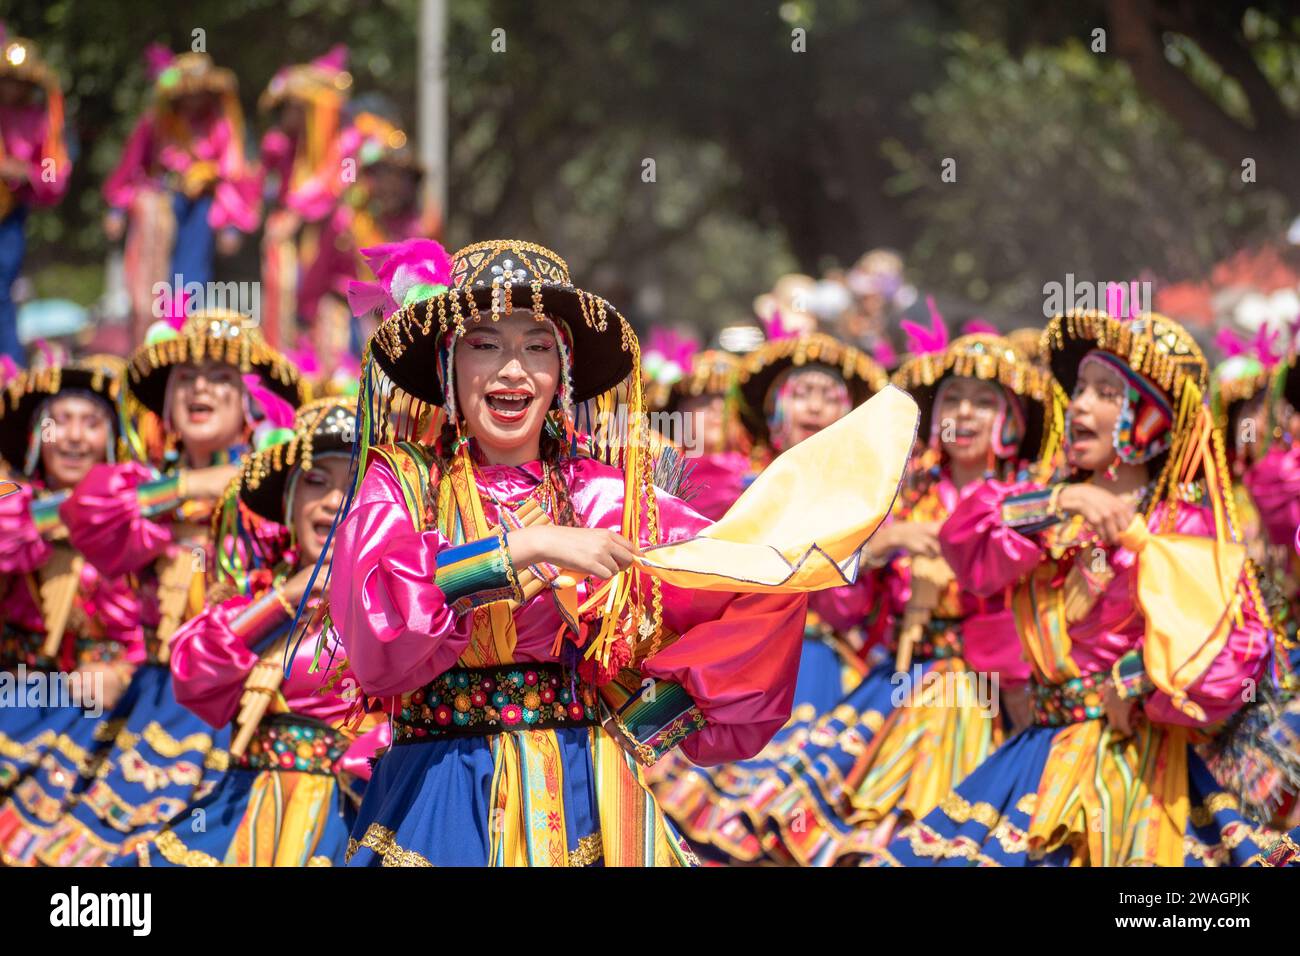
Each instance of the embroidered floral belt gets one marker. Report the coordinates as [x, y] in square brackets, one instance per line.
[1072, 702]
[291, 742]
[940, 639]
[472, 702]
[19, 646]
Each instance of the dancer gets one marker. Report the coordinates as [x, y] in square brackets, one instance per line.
[503, 669]
[34, 167]
[304, 159]
[954, 681]
[181, 182]
[1134, 673]
[60, 616]
[696, 390]
[208, 384]
[791, 388]
[287, 798]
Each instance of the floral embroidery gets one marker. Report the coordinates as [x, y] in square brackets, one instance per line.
[485, 701]
[1072, 702]
[287, 743]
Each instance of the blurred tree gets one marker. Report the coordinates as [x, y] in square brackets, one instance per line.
[784, 135]
[1062, 167]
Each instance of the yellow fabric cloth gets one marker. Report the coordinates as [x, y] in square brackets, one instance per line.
[1119, 801]
[800, 525]
[1186, 627]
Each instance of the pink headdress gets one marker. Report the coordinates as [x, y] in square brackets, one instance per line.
[406, 272]
[1260, 346]
[335, 61]
[8, 367]
[923, 341]
[776, 328]
[277, 414]
[156, 59]
[667, 357]
[978, 326]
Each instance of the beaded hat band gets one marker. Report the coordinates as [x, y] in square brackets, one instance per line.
[760, 370]
[100, 375]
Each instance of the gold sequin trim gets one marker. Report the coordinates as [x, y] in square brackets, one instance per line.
[380, 840]
[165, 745]
[588, 851]
[960, 811]
[175, 851]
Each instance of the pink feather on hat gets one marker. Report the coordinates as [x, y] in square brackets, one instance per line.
[405, 271]
[776, 328]
[277, 412]
[305, 358]
[335, 60]
[883, 352]
[1259, 346]
[156, 59]
[923, 341]
[978, 326]
[8, 367]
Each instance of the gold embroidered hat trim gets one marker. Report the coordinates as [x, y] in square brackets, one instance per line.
[759, 370]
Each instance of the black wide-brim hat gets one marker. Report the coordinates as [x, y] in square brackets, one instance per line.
[1151, 344]
[863, 375]
[100, 375]
[211, 335]
[1291, 385]
[989, 358]
[490, 279]
[320, 427]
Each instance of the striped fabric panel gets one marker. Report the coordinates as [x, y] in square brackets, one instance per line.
[658, 720]
[259, 619]
[160, 495]
[1028, 512]
[473, 574]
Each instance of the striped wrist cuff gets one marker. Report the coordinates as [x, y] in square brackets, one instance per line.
[480, 572]
[1029, 512]
[45, 512]
[160, 495]
[655, 718]
[258, 619]
[1130, 676]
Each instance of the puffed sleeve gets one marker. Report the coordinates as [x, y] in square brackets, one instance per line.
[985, 553]
[105, 522]
[117, 606]
[356, 759]
[236, 203]
[737, 656]
[845, 607]
[1274, 484]
[399, 628]
[132, 168]
[212, 654]
[22, 549]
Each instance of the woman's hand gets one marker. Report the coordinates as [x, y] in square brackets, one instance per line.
[913, 537]
[588, 552]
[114, 225]
[1107, 514]
[115, 678]
[209, 482]
[1122, 714]
[228, 242]
[296, 586]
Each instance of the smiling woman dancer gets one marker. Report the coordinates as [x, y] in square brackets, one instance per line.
[206, 383]
[285, 801]
[929, 714]
[522, 715]
[57, 612]
[791, 388]
[1137, 674]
